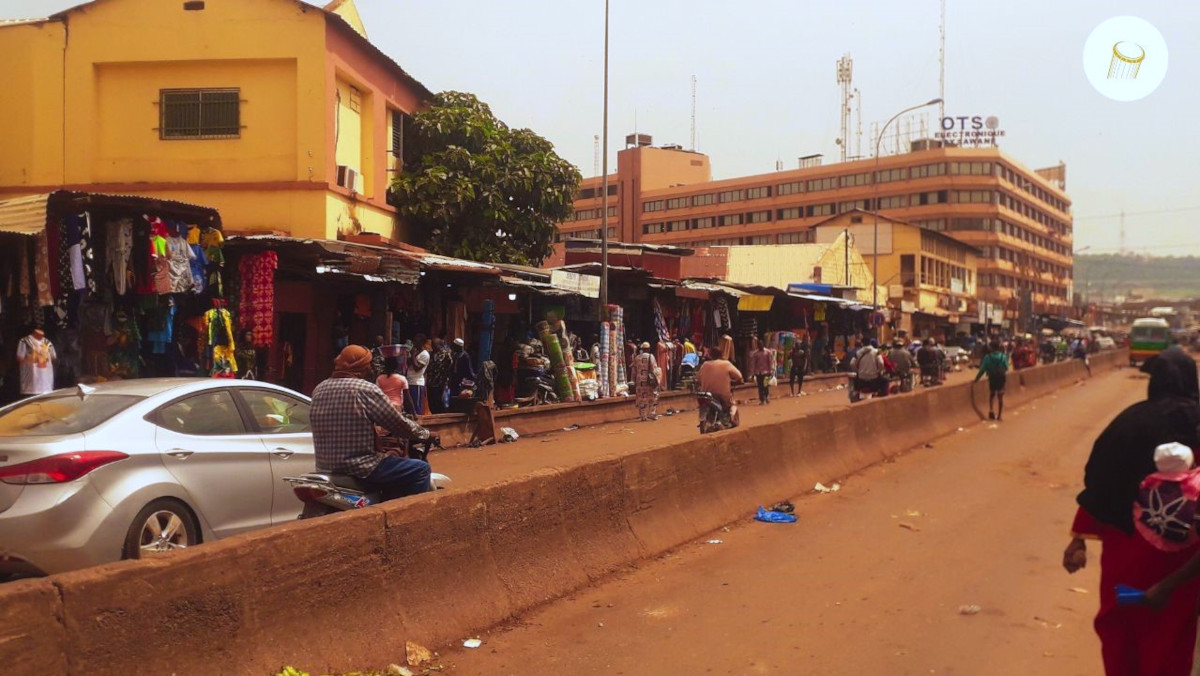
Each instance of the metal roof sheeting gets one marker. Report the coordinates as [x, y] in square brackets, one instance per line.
[24, 215]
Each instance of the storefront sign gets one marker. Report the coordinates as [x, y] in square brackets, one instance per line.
[755, 303]
[970, 130]
[584, 285]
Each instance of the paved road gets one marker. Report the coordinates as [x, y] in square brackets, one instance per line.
[473, 467]
[871, 580]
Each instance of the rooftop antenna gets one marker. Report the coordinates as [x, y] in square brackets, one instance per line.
[595, 155]
[942, 65]
[693, 113]
[858, 139]
[845, 75]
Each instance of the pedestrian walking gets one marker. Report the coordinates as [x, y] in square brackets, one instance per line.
[646, 379]
[762, 363]
[1080, 352]
[1134, 640]
[995, 367]
[798, 368]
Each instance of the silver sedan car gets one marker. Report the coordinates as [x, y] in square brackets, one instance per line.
[135, 468]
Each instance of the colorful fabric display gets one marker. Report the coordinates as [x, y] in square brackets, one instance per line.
[257, 300]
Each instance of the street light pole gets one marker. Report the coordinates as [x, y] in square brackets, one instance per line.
[604, 184]
[875, 211]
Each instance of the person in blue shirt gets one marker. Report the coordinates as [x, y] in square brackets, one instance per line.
[995, 366]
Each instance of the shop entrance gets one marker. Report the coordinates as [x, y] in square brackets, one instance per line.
[293, 327]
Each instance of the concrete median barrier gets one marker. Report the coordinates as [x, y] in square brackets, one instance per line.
[345, 592]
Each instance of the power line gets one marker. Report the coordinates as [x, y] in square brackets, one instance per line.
[1136, 213]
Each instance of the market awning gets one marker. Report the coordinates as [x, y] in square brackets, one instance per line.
[755, 303]
[24, 215]
[27, 215]
[334, 259]
[842, 302]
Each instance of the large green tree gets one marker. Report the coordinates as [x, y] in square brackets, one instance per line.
[474, 188]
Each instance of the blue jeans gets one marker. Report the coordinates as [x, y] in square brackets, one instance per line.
[400, 477]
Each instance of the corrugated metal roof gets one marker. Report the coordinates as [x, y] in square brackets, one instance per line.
[773, 265]
[24, 215]
[22, 22]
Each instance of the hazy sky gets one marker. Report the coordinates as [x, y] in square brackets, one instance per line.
[767, 91]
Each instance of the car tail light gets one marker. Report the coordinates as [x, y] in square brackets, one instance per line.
[58, 468]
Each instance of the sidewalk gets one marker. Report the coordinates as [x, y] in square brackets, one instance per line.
[473, 467]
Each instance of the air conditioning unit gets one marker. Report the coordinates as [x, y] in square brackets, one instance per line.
[349, 178]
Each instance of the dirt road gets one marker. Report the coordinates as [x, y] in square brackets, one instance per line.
[871, 579]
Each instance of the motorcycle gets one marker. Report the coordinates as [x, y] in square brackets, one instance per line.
[713, 416]
[326, 493]
[857, 394]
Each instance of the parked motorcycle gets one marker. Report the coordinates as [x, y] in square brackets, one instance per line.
[713, 416]
[325, 492]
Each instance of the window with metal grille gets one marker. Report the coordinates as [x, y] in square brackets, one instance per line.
[397, 148]
[199, 113]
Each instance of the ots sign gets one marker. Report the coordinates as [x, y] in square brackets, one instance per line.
[973, 130]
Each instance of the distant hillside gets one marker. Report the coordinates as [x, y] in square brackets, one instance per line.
[1168, 277]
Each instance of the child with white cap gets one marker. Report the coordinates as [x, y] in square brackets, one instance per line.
[1166, 513]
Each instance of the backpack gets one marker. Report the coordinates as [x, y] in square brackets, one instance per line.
[1165, 511]
[997, 367]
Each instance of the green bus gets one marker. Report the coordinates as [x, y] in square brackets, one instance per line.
[1148, 337]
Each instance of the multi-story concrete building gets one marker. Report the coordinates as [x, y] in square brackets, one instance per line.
[280, 113]
[929, 275]
[1019, 219]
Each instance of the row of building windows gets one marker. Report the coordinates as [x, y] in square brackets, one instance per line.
[1024, 259]
[584, 234]
[938, 246]
[587, 214]
[862, 179]
[998, 225]
[943, 274]
[996, 280]
[590, 193]
[1012, 176]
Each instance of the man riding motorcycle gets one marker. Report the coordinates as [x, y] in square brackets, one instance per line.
[346, 408]
[869, 371]
[902, 360]
[717, 377]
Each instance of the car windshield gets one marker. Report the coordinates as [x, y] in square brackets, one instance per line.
[63, 414]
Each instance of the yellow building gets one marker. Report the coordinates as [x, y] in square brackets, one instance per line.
[836, 263]
[930, 276]
[279, 113]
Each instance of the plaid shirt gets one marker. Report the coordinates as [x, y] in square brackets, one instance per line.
[344, 414]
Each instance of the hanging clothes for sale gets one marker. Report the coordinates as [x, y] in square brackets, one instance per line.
[179, 260]
[118, 254]
[41, 269]
[218, 330]
[160, 259]
[213, 243]
[257, 301]
[198, 260]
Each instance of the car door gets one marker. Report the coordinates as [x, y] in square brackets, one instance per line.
[204, 442]
[282, 423]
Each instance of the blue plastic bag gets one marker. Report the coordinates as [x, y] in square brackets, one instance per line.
[767, 516]
[1129, 596]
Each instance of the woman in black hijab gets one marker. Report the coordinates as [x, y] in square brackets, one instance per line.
[1136, 639]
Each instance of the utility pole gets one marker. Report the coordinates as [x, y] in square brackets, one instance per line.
[604, 185]
[942, 66]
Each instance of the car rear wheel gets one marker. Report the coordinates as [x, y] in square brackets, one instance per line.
[163, 526]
